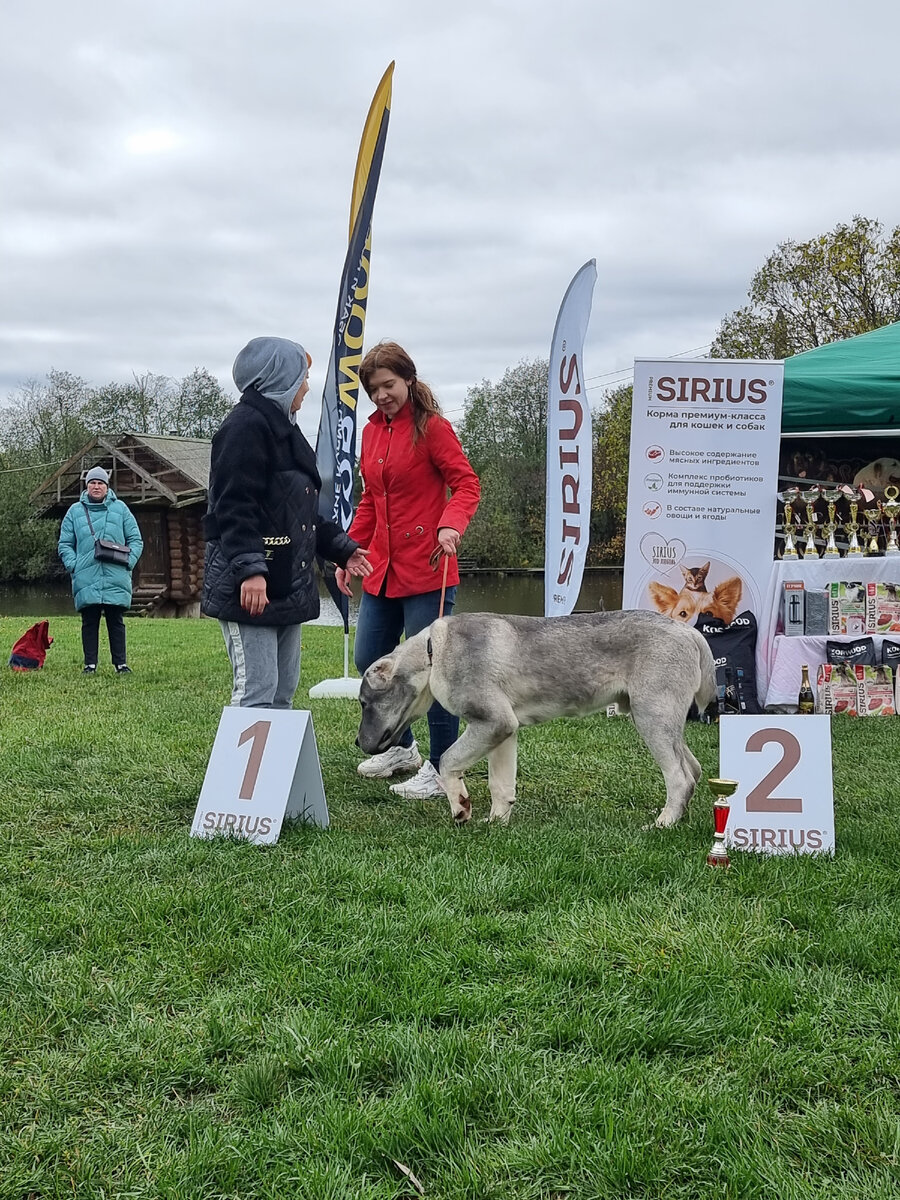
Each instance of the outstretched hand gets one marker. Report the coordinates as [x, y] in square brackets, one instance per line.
[357, 564]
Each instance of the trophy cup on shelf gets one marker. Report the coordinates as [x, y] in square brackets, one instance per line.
[789, 497]
[854, 549]
[832, 495]
[809, 498]
[723, 789]
[891, 508]
[873, 516]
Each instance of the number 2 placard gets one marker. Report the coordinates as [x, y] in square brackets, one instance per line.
[784, 803]
[264, 766]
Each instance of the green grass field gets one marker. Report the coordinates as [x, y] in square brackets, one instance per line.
[568, 1008]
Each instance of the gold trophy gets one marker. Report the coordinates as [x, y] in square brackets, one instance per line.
[789, 497]
[873, 516]
[832, 495]
[891, 507]
[854, 549]
[723, 788]
[809, 498]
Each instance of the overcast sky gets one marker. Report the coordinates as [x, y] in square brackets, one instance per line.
[176, 175]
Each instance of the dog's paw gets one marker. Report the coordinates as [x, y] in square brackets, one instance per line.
[665, 820]
[463, 813]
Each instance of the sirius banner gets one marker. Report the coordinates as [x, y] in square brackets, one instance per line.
[336, 441]
[569, 450]
[702, 483]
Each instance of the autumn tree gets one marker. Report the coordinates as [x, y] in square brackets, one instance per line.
[833, 286]
[504, 434]
[191, 407]
[612, 440]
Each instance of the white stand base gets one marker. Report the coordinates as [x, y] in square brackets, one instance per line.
[331, 688]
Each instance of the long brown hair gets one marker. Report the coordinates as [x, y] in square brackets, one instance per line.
[392, 357]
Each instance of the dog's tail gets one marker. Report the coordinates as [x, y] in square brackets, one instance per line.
[706, 692]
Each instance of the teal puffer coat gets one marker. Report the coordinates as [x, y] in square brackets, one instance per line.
[95, 582]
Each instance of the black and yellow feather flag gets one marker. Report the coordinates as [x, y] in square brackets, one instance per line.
[336, 442]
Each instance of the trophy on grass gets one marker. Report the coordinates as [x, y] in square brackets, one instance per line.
[854, 496]
[832, 495]
[873, 516]
[809, 498]
[722, 789]
[789, 497]
[891, 508]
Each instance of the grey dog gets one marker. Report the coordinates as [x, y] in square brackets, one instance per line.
[500, 672]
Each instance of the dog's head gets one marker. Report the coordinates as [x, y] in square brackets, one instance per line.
[394, 692]
[686, 606]
[680, 606]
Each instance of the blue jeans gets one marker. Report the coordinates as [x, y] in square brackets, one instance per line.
[380, 623]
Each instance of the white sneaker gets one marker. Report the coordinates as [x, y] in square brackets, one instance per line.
[396, 758]
[425, 785]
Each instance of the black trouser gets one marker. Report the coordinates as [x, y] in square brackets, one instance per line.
[90, 632]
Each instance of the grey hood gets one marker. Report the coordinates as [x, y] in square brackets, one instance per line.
[275, 366]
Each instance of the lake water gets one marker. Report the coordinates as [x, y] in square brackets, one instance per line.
[479, 591]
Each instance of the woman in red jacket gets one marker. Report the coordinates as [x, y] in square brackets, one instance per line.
[410, 459]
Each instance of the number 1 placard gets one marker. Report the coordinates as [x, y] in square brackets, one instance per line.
[784, 802]
[264, 767]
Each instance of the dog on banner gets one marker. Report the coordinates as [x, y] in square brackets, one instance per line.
[502, 672]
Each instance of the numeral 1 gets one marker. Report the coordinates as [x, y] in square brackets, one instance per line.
[259, 733]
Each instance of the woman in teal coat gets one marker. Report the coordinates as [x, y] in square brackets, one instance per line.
[100, 587]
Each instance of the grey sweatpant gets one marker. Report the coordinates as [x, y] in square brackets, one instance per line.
[266, 663]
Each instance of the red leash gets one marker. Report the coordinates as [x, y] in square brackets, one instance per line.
[444, 586]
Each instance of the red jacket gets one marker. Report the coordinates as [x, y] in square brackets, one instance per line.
[404, 501]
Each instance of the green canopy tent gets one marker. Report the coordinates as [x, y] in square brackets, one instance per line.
[852, 385]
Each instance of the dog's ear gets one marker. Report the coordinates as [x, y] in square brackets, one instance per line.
[382, 670]
[726, 598]
[662, 596]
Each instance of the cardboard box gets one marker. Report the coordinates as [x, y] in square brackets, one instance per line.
[876, 692]
[882, 608]
[837, 690]
[856, 691]
[846, 608]
[793, 607]
[816, 622]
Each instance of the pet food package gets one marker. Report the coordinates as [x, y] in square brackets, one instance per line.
[734, 651]
[876, 692]
[890, 654]
[816, 622]
[846, 608]
[793, 607]
[837, 689]
[859, 653]
[882, 608]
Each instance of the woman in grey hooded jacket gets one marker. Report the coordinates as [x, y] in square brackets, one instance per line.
[262, 527]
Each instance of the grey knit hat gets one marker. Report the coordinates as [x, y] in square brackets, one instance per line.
[97, 473]
[275, 366]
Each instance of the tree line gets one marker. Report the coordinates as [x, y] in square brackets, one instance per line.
[835, 285]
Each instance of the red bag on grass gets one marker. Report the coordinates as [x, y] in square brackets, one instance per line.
[30, 650]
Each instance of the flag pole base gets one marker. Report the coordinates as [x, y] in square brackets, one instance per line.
[331, 688]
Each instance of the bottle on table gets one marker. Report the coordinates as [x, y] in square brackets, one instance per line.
[806, 701]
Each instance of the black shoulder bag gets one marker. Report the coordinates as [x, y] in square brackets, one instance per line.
[104, 549]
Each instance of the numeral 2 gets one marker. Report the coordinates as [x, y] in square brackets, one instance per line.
[760, 799]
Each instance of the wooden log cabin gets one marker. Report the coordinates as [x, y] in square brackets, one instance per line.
[164, 481]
